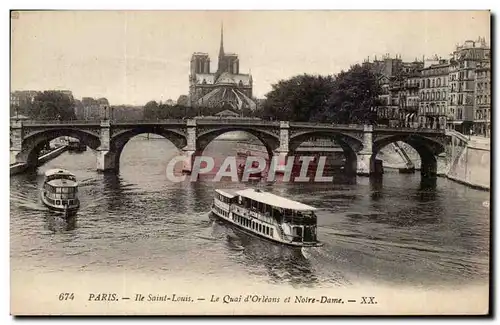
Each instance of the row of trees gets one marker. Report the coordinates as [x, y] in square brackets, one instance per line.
[47, 105]
[349, 97]
[154, 110]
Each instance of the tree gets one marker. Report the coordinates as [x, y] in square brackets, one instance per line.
[182, 100]
[14, 110]
[349, 97]
[151, 110]
[298, 99]
[79, 109]
[354, 97]
[52, 105]
[247, 112]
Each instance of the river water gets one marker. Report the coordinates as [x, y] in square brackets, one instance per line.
[394, 230]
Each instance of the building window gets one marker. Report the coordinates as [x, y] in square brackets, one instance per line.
[428, 83]
[433, 83]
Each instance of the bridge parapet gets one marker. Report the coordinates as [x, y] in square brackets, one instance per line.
[151, 122]
[410, 130]
[57, 123]
[237, 122]
[329, 126]
[458, 135]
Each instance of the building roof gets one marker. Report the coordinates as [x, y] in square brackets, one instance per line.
[274, 200]
[227, 112]
[233, 79]
[62, 183]
[226, 78]
[208, 77]
[58, 171]
[227, 193]
[220, 96]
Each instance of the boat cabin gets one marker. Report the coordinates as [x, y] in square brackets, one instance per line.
[295, 219]
[60, 188]
[52, 174]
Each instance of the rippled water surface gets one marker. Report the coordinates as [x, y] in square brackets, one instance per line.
[395, 230]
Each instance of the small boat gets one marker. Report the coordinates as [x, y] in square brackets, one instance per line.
[268, 216]
[60, 192]
[251, 176]
[76, 145]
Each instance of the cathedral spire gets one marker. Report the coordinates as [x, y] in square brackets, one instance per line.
[221, 50]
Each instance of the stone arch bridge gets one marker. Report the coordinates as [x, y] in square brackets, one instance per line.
[360, 143]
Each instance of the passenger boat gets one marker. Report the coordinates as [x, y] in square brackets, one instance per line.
[268, 216]
[60, 192]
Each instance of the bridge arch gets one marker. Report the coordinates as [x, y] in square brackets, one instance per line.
[121, 138]
[428, 150]
[268, 139]
[350, 145]
[32, 144]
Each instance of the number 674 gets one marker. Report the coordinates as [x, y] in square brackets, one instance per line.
[66, 296]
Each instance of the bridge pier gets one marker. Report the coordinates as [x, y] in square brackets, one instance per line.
[106, 158]
[15, 156]
[187, 165]
[429, 171]
[16, 138]
[280, 155]
[189, 150]
[278, 163]
[443, 165]
[365, 165]
[106, 161]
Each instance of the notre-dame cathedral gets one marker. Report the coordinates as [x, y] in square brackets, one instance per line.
[226, 88]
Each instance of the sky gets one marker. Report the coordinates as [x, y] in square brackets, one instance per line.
[132, 57]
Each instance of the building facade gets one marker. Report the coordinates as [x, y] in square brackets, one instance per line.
[482, 103]
[399, 82]
[466, 59]
[437, 93]
[433, 93]
[225, 88]
[21, 98]
[95, 109]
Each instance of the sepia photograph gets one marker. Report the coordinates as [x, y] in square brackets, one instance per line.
[251, 162]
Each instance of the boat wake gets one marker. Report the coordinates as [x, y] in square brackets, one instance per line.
[234, 243]
[311, 252]
[220, 231]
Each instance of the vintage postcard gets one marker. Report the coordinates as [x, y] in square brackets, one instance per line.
[250, 162]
